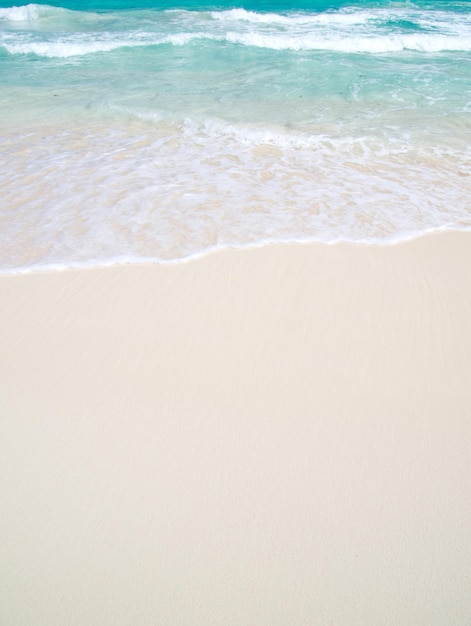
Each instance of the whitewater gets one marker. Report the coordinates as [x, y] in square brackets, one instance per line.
[135, 132]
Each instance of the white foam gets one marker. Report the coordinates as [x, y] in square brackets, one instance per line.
[35, 13]
[181, 39]
[255, 135]
[164, 188]
[129, 259]
[83, 45]
[305, 19]
[374, 18]
[64, 49]
[178, 193]
[25, 13]
[347, 31]
[373, 45]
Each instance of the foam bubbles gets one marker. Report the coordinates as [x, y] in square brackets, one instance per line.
[373, 31]
[179, 191]
[64, 49]
[160, 135]
[25, 13]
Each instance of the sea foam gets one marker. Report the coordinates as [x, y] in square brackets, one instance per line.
[179, 192]
[82, 45]
[372, 31]
[159, 135]
[25, 13]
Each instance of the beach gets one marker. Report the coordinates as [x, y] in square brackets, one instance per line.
[275, 435]
[235, 321]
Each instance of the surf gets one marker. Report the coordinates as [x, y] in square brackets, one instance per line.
[161, 133]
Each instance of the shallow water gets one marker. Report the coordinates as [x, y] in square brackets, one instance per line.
[132, 132]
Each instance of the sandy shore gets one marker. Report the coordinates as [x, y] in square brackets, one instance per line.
[278, 436]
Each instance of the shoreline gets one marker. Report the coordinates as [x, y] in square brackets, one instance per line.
[128, 261]
[272, 435]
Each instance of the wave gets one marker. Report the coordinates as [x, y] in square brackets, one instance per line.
[347, 17]
[378, 45]
[63, 49]
[61, 33]
[373, 45]
[70, 48]
[371, 21]
[25, 13]
[350, 16]
[178, 193]
[31, 12]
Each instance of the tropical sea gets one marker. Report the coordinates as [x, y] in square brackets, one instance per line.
[156, 131]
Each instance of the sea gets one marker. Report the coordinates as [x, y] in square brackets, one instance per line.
[159, 130]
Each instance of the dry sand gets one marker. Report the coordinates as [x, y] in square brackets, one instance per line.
[276, 436]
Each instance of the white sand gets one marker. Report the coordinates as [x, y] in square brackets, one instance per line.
[278, 436]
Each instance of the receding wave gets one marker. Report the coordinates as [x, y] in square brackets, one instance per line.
[179, 193]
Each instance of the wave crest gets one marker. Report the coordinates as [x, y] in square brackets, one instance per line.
[30, 12]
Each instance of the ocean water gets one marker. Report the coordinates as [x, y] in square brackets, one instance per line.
[160, 130]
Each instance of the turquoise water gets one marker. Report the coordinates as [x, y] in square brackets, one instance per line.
[158, 131]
